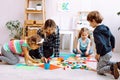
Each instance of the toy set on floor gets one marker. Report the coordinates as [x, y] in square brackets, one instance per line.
[73, 63]
[66, 62]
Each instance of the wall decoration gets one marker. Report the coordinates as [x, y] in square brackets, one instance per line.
[63, 5]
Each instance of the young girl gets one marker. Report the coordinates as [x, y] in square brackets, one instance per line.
[84, 44]
[13, 48]
[105, 44]
[50, 33]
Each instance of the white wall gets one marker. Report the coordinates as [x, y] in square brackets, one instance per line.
[10, 10]
[64, 19]
[14, 9]
[107, 8]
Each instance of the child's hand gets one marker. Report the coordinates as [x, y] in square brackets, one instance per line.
[79, 51]
[86, 53]
[29, 64]
[97, 57]
[43, 59]
[113, 50]
[36, 61]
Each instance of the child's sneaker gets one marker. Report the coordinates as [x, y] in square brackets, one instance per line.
[118, 65]
[114, 71]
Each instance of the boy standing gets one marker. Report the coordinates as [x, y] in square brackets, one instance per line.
[105, 44]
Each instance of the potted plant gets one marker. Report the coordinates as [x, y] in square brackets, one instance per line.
[118, 13]
[39, 6]
[15, 29]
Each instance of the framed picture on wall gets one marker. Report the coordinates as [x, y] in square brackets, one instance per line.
[63, 5]
[82, 20]
[83, 15]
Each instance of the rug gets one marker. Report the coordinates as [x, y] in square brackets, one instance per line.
[52, 67]
[24, 66]
[65, 55]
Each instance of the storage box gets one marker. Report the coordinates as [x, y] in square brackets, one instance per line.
[39, 22]
[32, 31]
[29, 22]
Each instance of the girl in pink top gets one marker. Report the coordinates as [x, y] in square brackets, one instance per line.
[12, 49]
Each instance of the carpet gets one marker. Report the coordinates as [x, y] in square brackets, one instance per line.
[65, 55]
[52, 67]
[24, 66]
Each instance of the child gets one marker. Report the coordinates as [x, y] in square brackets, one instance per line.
[50, 33]
[84, 44]
[13, 48]
[105, 44]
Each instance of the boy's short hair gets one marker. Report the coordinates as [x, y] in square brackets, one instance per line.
[94, 15]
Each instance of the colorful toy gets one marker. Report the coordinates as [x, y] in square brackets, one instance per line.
[60, 59]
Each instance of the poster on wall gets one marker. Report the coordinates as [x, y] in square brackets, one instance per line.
[63, 5]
